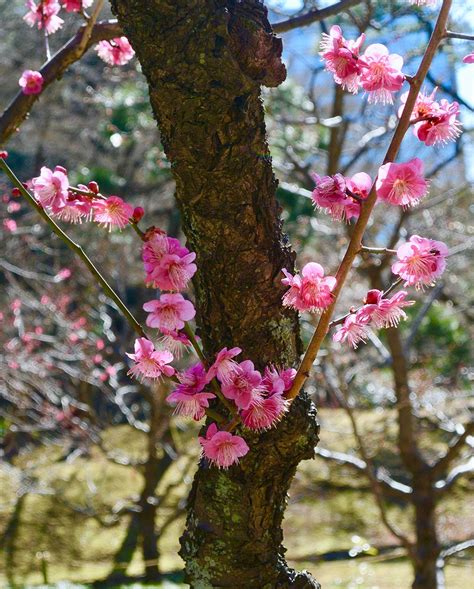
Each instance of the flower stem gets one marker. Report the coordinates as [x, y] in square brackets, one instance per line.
[376, 250]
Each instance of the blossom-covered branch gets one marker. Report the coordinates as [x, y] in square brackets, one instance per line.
[88, 35]
[76, 248]
[367, 207]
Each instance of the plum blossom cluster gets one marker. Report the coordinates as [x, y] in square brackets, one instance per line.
[420, 262]
[379, 311]
[256, 398]
[54, 193]
[259, 400]
[400, 184]
[376, 71]
[433, 121]
[45, 15]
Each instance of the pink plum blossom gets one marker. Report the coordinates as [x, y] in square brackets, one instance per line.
[112, 212]
[51, 188]
[278, 381]
[420, 261]
[116, 51]
[469, 58]
[149, 362]
[434, 122]
[189, 397]
[193, 406]
[264, 413]
[352, 331]
[442, 126]
[31, 82]
[169, 312]
[341, 58]
[244, 385]
[222, 448]
[224, 367]
[331, 197]
[44, 14]
[10, 225]
[168, 265]
[382, 73]
[176, 342]
[75, 210]
[174, 272]
[310, 290]
[402, 184]
[76, 5]
[381, 311]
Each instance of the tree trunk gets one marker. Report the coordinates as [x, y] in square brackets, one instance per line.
[142, 522]
[205, 61]
[427, 547]
[123, 556]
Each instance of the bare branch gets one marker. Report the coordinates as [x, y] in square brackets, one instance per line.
[313, 16]
[390, 486]
[464, 36]
[375, 484]
[457, 472]
[454, 450]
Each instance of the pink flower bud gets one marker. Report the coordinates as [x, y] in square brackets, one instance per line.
[16, 192]
[138, 213]
[3, 154]
[93, 187]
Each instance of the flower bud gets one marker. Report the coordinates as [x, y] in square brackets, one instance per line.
[93, 187]
[16, 192]
[138, 213]
[3, 154]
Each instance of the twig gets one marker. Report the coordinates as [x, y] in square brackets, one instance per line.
[366, 209]
[464, 36]
[76, 248]
[377, 250]
[313, 16]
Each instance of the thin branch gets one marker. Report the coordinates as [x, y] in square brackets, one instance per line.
[369, 470]
[76, 248]
[457, 472]
[391, 486]
[313, 16]
[458, 547]
[366, 209]
[454, 450]
[88, 35]
[464, 36]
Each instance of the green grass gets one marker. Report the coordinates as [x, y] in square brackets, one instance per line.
[319, 517]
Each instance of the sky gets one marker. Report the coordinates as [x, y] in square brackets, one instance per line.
[464, 72]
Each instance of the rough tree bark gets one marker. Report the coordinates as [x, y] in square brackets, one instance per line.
[205, 61]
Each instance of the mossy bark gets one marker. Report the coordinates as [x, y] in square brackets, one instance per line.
[205, 62]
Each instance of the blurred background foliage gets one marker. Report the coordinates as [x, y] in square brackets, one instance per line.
[85, 452]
